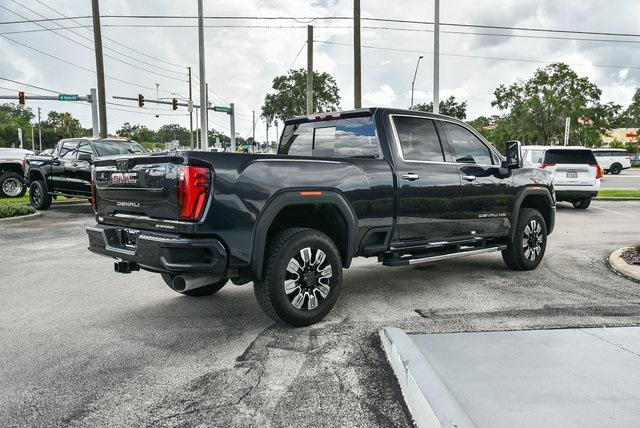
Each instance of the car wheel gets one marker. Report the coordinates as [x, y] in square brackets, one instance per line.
[529, 243]
[582, 204]
[615, 169]
[206, 290]
[39, 196]
[301, 278]
[12, 185]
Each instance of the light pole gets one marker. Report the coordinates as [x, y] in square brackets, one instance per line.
[413, 83]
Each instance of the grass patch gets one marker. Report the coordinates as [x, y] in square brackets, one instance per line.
[25, 199]
[15, 209]
[619, 193]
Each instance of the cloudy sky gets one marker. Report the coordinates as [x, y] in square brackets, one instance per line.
[241, 61]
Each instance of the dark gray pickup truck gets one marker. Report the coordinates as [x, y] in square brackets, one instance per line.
[403, 186]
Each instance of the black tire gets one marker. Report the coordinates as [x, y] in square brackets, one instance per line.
[615, 169]
[206, 290]
[12, 185]
[582, 204]
[308, 300]
[516, 255]
[39, 196]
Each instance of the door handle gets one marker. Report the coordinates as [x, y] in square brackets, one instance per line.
[469, 177]
[411, 176]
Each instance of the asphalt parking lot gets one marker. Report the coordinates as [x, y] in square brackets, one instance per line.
[84, 346]
[628, 179]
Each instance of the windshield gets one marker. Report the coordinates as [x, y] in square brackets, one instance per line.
[117, 147]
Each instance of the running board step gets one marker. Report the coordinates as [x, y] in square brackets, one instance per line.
[414, 260]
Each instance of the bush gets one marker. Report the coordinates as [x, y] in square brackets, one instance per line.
[14, 209]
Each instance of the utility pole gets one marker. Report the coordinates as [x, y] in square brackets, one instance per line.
[20, 136]
[436, 58]
[39, 131]
[94, 113]
[357, 64]
[197, 128]
[97, 41]
[567, 126]
[232, 119]
[33, 140]
[206, 145]
[190, 111]
[253, 131]
[203, 77]
[268, 145]
[309, 69]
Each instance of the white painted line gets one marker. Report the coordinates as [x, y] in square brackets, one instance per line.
[621, 176]
[609, 211]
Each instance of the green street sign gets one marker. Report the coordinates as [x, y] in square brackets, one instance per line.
[221, 109]
[67, 97]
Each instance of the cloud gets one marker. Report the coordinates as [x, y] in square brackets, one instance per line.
[383, 97]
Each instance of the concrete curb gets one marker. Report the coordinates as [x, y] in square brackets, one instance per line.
[428, 398]
[616, 199]
[621, 266]
[21, 217]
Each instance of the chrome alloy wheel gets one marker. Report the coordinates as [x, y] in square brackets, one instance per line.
[12, 187]
[308, 278]
[532, 240]
[36, 195]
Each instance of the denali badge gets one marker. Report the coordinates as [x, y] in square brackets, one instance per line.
[124, 178]
[128, 204]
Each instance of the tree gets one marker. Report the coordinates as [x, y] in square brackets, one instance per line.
[290, 97]
[13, 117]
[139, 133]
[630, 118]
[448, 107]
[173, 131]
[537, 108]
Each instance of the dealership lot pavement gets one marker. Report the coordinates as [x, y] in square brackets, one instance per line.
[82, 345]
[629, 179]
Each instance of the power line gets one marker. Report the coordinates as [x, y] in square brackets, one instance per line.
[478, 56]
[114, 41]
[27, 84]
[91, 48]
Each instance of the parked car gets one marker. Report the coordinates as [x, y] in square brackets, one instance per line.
[403, 186]
[12, 183]
[576, 173]
[613, 160]
[67, 172]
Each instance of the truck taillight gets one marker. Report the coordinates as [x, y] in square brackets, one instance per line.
[94, 201]
[193, 190]
[545, 165]
[599, 170]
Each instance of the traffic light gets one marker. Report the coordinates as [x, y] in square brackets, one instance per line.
[140, 100]
[174, 104]
[21, 98]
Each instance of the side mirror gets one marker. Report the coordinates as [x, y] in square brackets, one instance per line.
[514, 160]
[85, 157]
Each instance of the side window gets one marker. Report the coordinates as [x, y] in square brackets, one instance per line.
[67, 150]
[418, 139]
[85, 148]
[467, 147]
[537, 156]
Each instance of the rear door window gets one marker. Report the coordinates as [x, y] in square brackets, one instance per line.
[418, 139]
[570, 157]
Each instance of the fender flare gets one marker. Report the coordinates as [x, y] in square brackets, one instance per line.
[40, 172]
[528, 191]
[292, 197]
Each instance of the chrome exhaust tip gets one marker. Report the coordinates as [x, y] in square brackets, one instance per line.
[182, 283]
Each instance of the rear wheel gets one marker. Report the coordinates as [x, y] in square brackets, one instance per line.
[12, 185]
[582, 204]
[615, 169]
[301, 278]
[39, 196]
[529, 243]
[206, 290]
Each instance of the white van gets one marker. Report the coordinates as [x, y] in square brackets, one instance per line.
[576, 173]
[613, 160]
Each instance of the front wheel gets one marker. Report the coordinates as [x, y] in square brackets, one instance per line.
[203, 291]
[582, 204]
[39, 196]
[301, 278]
[526, 250]
[12, 185]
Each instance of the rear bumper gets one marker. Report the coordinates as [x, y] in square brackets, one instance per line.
[569, 195]
[159, 251]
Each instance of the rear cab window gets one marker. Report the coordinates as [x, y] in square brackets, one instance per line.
[117, 147]
[343, 137]
[570, 157]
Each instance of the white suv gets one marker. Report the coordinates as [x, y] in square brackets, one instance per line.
[613, 160]
[576, 173]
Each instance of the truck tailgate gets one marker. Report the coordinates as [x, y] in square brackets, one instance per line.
[144, 185]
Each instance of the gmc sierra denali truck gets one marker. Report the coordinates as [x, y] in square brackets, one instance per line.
[403, 186]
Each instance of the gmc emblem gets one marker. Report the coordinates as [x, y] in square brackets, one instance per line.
[124, 178]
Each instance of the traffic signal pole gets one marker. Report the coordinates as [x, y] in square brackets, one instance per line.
[94, 112]
[309, 69]
[232, 126]
[190, 111]
[203, 77]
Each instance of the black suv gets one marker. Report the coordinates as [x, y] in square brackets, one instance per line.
[403, 186]
[67, 171]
